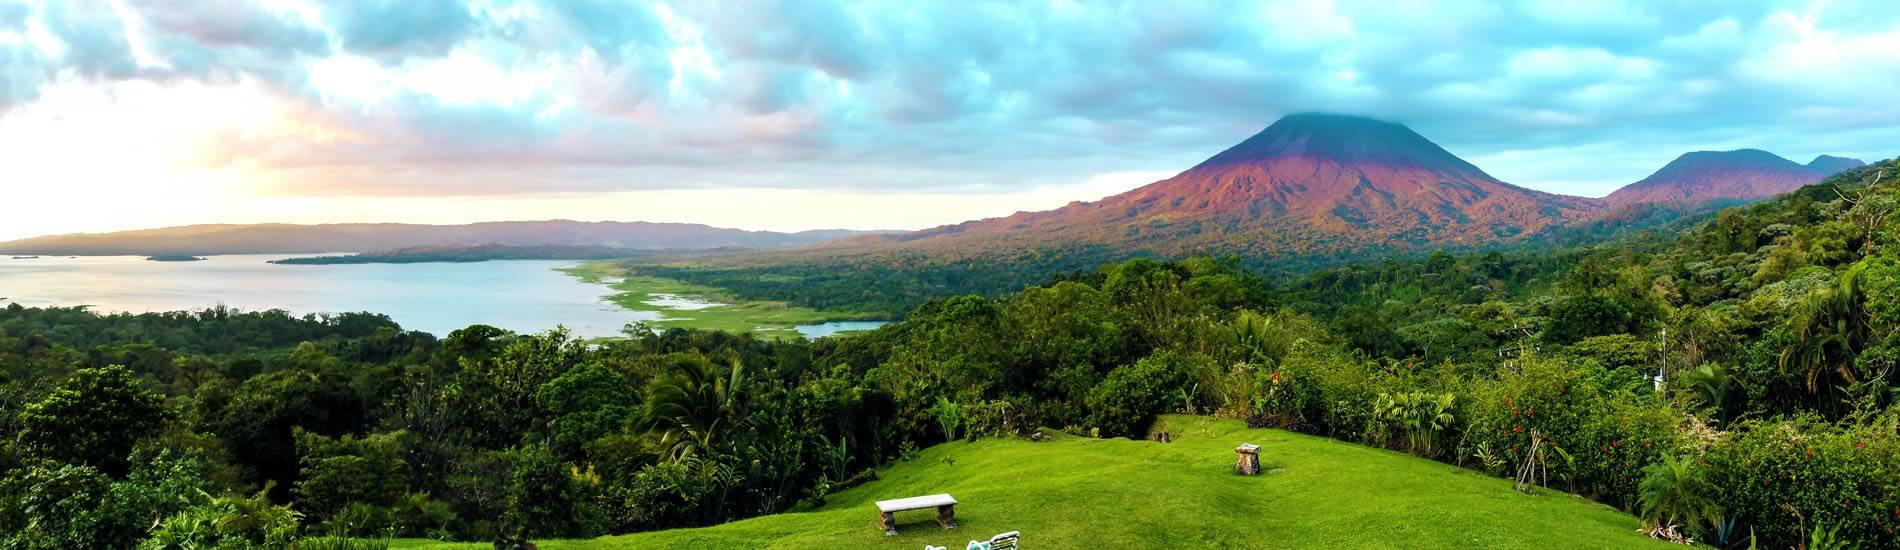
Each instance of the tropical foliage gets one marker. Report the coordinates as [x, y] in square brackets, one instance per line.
[1735, 377]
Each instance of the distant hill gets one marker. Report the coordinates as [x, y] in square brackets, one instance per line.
[1828, 165]
[1746, 174]
[1308, 184]
[345, 238]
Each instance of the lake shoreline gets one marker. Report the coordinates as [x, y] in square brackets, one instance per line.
[683, 305]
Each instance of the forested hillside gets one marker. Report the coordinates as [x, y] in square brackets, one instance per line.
[1774, 329]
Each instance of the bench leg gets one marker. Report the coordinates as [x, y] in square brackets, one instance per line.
[947, 516]
[888, 521]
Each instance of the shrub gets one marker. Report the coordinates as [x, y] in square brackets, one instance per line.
[339, 543]
[45, 505]
[687, 493]
[1674, 492]
[1843, 475]
[1130, 398]
[1418, 416]
[1602, 440]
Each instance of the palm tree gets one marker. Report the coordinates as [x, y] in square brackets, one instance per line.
[690, 405]
[1830, 328]
[1673, 492]
[1712, 384]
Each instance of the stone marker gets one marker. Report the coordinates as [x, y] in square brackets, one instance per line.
[1249, 463]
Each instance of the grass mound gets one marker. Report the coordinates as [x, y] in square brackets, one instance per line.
[1078, 492]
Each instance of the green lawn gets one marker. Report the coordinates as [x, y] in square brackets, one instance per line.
[737, 316]
[1077, 492]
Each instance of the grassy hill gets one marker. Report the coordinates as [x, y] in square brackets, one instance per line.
[1077, 492]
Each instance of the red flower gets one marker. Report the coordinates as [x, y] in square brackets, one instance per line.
[1810, 453]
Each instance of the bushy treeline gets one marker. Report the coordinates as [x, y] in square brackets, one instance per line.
[1732, 381]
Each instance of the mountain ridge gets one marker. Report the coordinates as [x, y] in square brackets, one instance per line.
[280, 238]
[1747, 174]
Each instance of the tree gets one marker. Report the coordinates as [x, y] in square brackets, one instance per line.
[589, 402]
[94, 419]
[256, 419]
[1585, 315]
[1830, 329]
[690, 405]
[543, 499]
[1363, 328]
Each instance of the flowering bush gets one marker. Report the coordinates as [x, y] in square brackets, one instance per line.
[1843, 475]
[1601, 440]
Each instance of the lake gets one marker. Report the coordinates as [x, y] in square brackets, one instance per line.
[520, 295]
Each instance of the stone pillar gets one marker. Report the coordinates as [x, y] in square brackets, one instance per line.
[947, 516]
[1249, 463]
[888, 521]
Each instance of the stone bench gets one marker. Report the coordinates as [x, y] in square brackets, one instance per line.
[945, 505]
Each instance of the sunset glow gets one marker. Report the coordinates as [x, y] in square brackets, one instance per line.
[142, 113]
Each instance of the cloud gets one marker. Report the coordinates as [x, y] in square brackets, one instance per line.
[233, 25]
[93, 38]
[13, 15]
[22, 73]
[393, 30]
[440, 97]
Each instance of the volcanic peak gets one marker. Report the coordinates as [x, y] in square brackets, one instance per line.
[1342, 139]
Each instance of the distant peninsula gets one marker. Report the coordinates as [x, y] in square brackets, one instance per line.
[173, 258]
[475, 253]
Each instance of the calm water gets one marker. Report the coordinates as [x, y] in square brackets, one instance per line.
[834, 327]
[519, 295]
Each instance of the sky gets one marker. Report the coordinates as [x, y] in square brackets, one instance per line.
[792, 115]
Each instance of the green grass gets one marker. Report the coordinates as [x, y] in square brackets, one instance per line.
[737, 316]
[1077, 492]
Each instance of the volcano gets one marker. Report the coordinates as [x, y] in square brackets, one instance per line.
[1745, 174]
[1308, 184]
